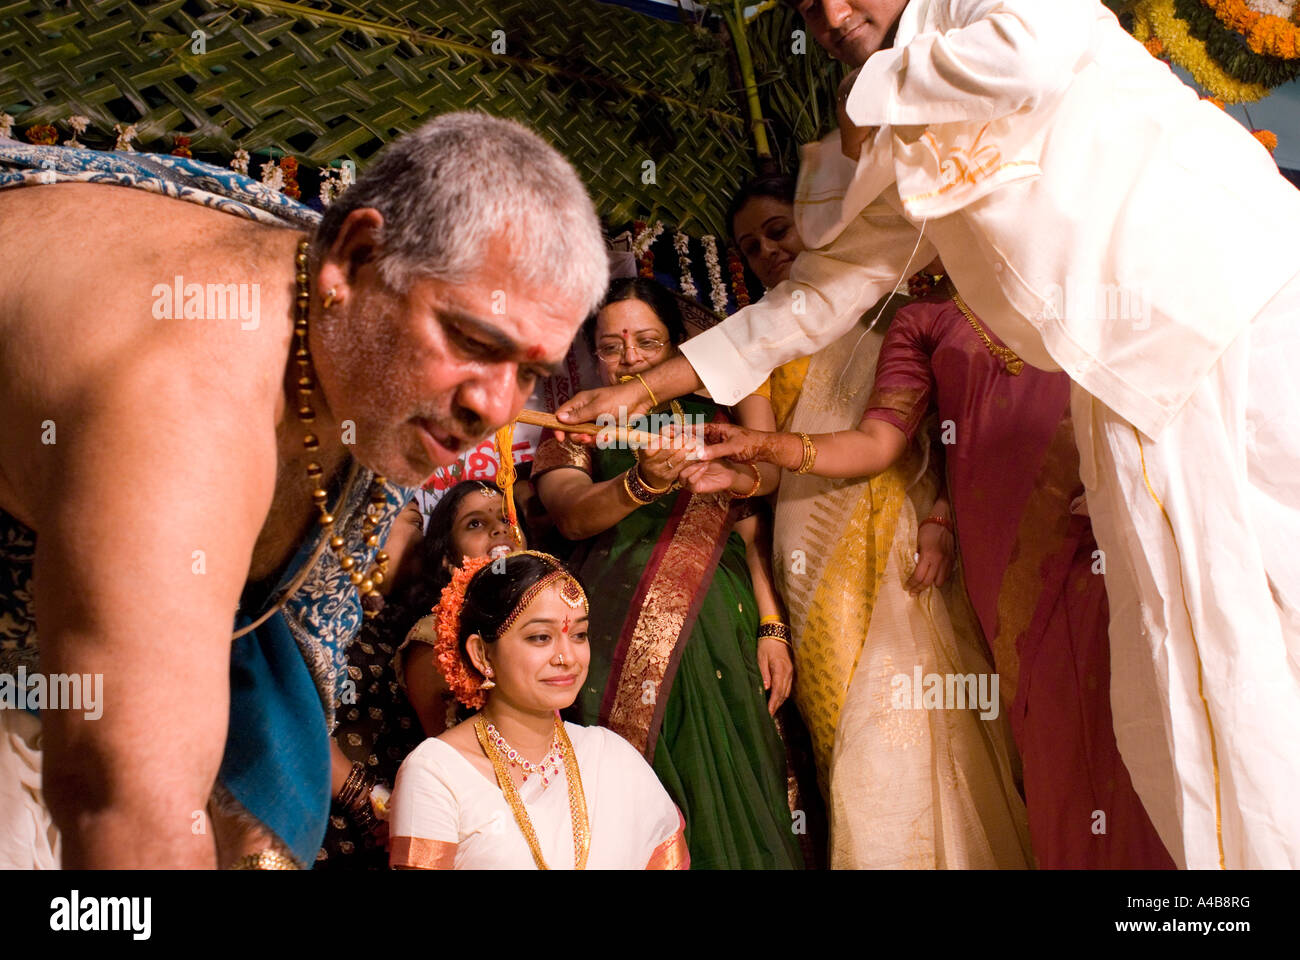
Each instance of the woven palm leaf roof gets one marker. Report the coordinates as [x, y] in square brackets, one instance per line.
[327, 81]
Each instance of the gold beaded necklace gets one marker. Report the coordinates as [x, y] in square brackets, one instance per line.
[366, 584]
[1010, 362]
[577, 799]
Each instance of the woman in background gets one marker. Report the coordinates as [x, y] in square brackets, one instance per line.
[679, 659]
[469, 521]
[849, 555]
[1028, 556]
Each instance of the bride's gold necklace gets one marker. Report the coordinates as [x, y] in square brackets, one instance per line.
[366, 584]
[577, 799]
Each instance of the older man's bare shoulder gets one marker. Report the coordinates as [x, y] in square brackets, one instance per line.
[108, 294]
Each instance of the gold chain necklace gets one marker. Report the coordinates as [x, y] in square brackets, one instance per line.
[1010, 362]
[577, 799]
[366, 584]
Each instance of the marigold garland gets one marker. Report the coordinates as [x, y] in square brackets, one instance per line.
[463, 680]
[1267, 137]
[1229, 50]
[1156, 18]
[289, 169]
[43, 134]
[737, 270]
[1266, 34]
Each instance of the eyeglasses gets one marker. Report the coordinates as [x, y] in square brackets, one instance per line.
[647, 347]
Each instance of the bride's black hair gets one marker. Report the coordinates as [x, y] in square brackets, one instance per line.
[495, 591]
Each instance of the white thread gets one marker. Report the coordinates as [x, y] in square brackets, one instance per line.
[892, 290]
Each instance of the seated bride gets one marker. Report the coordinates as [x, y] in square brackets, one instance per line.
[515, 787]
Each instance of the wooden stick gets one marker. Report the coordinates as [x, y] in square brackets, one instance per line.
[618, 436]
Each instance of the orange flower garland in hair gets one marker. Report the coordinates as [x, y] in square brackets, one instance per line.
[462, 678]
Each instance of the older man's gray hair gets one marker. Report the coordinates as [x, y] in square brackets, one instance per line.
[467, 187]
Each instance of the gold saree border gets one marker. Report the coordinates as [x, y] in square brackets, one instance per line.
[1042, 533]
[418, 853]
[552, 454]
[666, 603]
[672, 854]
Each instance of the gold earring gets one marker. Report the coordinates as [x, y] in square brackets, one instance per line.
[487, 683]
[330, 298]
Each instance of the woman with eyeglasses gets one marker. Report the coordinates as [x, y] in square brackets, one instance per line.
[681, 664]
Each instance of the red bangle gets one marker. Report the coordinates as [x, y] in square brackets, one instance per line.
[941, 521]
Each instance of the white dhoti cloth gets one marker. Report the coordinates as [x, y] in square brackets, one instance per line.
[1200, 528]
[28, 838]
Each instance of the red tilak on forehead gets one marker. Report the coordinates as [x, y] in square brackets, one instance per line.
[535, 352]
[565, 626]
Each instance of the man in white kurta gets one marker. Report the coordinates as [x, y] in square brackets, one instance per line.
[1102, 220]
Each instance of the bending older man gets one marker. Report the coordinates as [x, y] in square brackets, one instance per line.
[168, 470]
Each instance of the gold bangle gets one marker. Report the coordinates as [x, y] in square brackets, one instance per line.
[658, 492]
[777, 631]
[266, 860]
[771, 618]
[809, 453]
[636, 376]
[654, 402]
[632, 493]
[758, 481]
[641, 493]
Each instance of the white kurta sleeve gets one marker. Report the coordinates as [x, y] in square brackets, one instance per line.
[987, 59]
[827, 292]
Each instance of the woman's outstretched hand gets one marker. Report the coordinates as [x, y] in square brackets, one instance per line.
[711, 476]
[629, 398]
[728, 441]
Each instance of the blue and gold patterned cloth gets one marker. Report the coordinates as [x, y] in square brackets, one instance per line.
[288, 675]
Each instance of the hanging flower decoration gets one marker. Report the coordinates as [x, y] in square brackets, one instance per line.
[181, 147]
[737, 269]
[1219, 58]
[642, 245]
[289, 173]
[717, 289]
[42, 134]
[272, 175]
[239, 162]
[333, 182]
[1267, 137]
[1266, 33]
[78, 124]
[125, 134]
[682, 244]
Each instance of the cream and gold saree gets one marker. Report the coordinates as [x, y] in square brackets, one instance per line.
[904, 787]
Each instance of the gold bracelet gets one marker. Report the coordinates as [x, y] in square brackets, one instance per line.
[266, 860]
[632, 492]
[636, 376]
[771, 618]
[809, 453]
[641, 493]
[641, 480]
[758, 481]
[777, 631]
